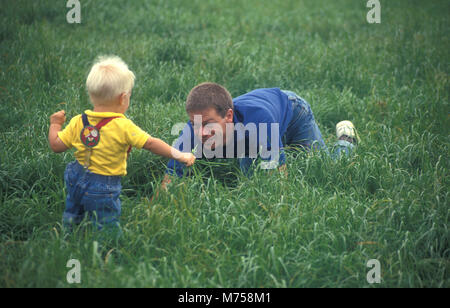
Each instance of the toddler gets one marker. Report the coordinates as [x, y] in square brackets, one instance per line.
[103, 138]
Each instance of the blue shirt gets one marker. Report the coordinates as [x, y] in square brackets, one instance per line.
[261, 118]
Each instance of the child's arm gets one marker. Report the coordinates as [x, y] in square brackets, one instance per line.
[159, 147]
[56, 122]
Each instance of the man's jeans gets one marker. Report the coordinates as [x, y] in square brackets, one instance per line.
[93, 196]
[303, 133]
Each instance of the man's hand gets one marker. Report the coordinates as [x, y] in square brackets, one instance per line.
[283, 170]
[166, 181]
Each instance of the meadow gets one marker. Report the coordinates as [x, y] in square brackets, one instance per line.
[316, 228]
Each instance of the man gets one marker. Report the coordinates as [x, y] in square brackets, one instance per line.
[258, 124]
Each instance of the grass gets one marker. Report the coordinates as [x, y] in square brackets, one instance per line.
[318, 227]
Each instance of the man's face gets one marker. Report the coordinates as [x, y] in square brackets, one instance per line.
[210, 127]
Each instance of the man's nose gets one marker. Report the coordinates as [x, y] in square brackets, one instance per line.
[205, 131]
[199, 131]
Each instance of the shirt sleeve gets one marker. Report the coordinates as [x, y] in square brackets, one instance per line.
[135, 136]
[69, 134]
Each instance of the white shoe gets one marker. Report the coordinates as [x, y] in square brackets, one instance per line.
[347, 129]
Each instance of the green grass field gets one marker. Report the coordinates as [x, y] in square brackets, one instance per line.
[317, 228]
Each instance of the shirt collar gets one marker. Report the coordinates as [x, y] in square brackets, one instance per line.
[104, 114]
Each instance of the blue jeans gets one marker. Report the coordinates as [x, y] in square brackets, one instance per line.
[303, 133]
[93, 196]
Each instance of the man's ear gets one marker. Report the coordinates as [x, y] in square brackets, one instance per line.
[229, 116]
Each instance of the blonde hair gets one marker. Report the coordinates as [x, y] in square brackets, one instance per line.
[109, 77]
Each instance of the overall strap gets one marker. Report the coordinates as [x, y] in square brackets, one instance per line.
[103, 122]
[85, 120]
[100, 124]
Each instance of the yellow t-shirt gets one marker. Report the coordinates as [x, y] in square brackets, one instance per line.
[109, 156]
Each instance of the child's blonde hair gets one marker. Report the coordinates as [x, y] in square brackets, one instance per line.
[109, 77]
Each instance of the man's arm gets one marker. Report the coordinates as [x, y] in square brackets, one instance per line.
[56, 122]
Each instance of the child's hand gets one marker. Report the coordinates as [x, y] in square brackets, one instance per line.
[58, 118]
[56, 122]
[187, 158]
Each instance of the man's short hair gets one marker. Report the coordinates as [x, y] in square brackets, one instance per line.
[209, 95]
[108, 78]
